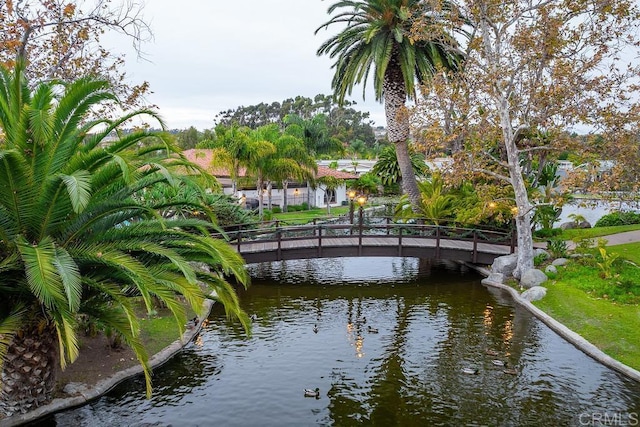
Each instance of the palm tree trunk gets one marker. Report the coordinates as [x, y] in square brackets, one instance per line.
[397, 117]
[28, 375]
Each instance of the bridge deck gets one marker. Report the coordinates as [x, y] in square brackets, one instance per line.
[483, 253]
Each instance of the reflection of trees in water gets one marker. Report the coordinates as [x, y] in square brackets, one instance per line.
[307, 271]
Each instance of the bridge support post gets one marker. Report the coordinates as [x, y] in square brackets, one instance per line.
[475, 246]
[319, 242]
[399, 240]
[279, 239]
[437, 242]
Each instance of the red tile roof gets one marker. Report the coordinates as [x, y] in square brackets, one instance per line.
[326, 171]
[204, 157]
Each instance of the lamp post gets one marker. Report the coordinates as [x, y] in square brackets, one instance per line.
[296, 192]
[361, 201]
[352, 195]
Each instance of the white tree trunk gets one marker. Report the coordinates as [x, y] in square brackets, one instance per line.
[523, 215]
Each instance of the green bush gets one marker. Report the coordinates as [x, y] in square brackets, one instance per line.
[618, 218]
[539, 259]
[276, 209]
[547, 232]
[557, 247]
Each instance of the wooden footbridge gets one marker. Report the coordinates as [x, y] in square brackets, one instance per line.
[278, 242]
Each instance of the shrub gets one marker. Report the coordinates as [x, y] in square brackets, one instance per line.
[607, 260]
[547, 232]
[539, 259]
[583, 245]
[276, 209]
[557, 247]
[618, 218]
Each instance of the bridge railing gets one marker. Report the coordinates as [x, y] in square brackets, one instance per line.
[275, 232]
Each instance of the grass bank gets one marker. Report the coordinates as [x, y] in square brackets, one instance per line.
[605, 311]
[595, 232]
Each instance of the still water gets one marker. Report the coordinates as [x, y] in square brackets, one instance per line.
[388, 342]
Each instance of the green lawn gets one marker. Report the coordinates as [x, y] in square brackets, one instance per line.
[612, 327]
[305, 217]
[590, 233]
[595, 307]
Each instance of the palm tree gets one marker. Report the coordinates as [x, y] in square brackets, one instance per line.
[293, 162]
[377, 36]
[388, 169]
[262, 141]
[76, 240]
[231, 149]
[436, 203]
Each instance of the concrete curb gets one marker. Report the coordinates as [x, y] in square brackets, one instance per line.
[577, 340]
[102, 387]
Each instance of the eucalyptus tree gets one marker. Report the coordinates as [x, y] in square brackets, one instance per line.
[315, 133]
[377, 37]
[75, 238]
[535, 69]
[65, 39]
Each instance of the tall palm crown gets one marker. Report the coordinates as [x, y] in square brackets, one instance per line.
[76, 238]
[377, 39]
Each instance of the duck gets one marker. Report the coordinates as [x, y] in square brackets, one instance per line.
[192, 323]
[372, 330]
[499, 362]
[491, 352]
[510, 371]
[312, 392]
[471, 371]
[254, 317]
[315, 329]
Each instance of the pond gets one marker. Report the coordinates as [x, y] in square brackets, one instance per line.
[387, 341]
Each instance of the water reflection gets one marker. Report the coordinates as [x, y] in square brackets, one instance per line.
[386, 341]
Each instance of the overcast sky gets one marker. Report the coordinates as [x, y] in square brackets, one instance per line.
[213, 55]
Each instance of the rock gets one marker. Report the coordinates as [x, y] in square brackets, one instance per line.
[551, 269]
[572, 224]
[74, 388]
[532, 277]
[535, 293]
[540, 251]
[505, 264]
[493, 277]
[559, 262]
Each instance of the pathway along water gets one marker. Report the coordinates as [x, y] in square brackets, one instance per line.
[388, 341]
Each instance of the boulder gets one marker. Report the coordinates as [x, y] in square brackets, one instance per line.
[505, 264]
[568, 225]
[532, 277]
[551, 269]
[540, 251]
[584, 224]
[535, 293]
[493, 278]
[74, 388]
[559, 262]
